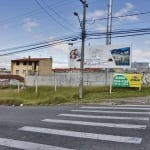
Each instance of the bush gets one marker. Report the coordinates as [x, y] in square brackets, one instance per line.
[58, 100]
[10, 102]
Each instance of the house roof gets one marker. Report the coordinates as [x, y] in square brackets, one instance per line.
[28, 59]
[17, 77]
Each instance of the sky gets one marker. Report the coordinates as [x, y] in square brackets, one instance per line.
[23, 23]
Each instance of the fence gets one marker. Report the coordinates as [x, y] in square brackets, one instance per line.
[69, 79]
[72, 79]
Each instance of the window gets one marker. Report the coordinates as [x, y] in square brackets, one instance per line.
[30, 72]
[24, 63]
[30, 63]
[17, 71]
[17, 63]
[24, 71]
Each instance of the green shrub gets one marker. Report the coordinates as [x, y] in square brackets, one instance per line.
[58, 99]
[10, 102]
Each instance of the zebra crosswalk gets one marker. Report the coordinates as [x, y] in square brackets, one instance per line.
[96, 119]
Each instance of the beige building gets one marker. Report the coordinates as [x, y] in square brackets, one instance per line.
[31, 66]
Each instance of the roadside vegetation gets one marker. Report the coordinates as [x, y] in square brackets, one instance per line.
[48, 95]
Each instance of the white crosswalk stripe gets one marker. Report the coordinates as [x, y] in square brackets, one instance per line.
[28, 145]
[117, 112]
[116, 107]
[105, 117]
[104, 137]
[113, 125]
[126, 105]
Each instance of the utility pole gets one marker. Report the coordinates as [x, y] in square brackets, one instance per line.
[108, 35]
[82, 48]
[83, 36]
[109, 23]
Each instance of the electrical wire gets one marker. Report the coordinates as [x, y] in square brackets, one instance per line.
[58, 22]
[122, 16]
[94, 35]
[31, 47]
[58, 15]
[68, 37]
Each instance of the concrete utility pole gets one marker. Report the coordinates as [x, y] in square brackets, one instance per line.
[109, 29]
[83, 36]
[109, 23]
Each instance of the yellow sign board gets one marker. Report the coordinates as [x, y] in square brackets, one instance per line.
[127, 80]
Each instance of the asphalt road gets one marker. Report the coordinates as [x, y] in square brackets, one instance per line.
[75, 128]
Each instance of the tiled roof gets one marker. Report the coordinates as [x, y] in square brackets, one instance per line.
[17, 77]
[28, 59]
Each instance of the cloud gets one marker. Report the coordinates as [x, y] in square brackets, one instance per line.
[141, 55]
[147, 42]
[62, 47]
[5, 61]
[125, 11]
[128, 7]
[29, 24]
[96, 14]
[102, 28]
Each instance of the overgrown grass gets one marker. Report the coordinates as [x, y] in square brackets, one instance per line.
[48, 95]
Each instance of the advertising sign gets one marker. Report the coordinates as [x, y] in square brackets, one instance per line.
[102, 56]
[127, 80]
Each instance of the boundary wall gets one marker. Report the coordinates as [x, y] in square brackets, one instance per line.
[72, 79]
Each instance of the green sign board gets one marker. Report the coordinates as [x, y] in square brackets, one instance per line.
[127, 80]
[120, 80]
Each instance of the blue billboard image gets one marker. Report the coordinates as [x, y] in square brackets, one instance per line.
[121, 56]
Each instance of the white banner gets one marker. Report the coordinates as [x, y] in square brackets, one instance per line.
[102, 56]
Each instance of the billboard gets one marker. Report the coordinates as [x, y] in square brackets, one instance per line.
[102, 56]
[126, 80]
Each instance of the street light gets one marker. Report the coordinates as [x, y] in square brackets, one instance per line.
[83, 36]
[76, 14]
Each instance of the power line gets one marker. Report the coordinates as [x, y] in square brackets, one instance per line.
[63, 40]
[51, 15]
[33, 48]
[40, 45]
[122, 16]
[122, 33]
[62, 18]
[68, 37]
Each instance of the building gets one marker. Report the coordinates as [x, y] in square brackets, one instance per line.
[31, 66]
[4, 71]
[140, 67]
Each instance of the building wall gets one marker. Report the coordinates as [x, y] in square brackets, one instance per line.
[69, 79]
[41, 67]
[73, 79]
[45, 67]
[21, 69]
[140, 66]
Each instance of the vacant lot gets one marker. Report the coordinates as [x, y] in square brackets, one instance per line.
[48, 95]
